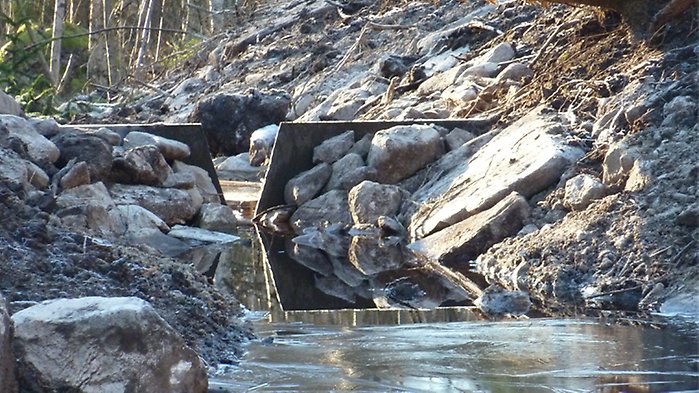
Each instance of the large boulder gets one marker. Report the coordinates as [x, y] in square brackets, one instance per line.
[41, 150]
[140, 165]
[527, 157]
[228, 119]
[8, 378]
[169, 148]
[467, 239]
[216, 217]
[107, 345]
[170, 204]
[92, 149]
[329, 208]
[400, 151]
[369, 200]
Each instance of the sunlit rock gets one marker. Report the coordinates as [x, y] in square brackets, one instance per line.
[109, 345]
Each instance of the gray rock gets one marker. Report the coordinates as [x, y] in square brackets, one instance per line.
[515, 72]
[158, 241]
[469, 238]
[91, 194]
[172, 205]
[311, 258]
[400, 151]
[201, 235]
[140, 220]
[681, 111]
[216, 217]
[109, 345]
[369, 200]
[356, 176]
[90, 208]
[497, 301]
[332, 149]
[8, 105]
[47, 127]
[109, 136]
[261, 144]
[498, 54]
[362, 146]
[170, 149]
[8, 378]
[458, 137]
[617, 163]
[371, 257]
[690, 216]
[333, 286]
[181, 180]
[36, 176]
[306, 185]
[85, 147]
[341, 168]
[581, 190]
[14, 169]
[238, 168]
[441, 81]
[140, 165]
[393, 65]
[77, 175]
[228, 119]
[329, 208]
[41, 150]
[202, 181]
[525, 157]
[483, 70]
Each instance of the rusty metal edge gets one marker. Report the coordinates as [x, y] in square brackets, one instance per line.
[293, 149]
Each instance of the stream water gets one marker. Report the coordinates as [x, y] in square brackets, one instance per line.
[312, 342]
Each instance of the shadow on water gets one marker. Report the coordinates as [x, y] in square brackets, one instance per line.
[353, 321]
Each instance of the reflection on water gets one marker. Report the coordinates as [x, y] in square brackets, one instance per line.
[515, 356]
[447, 349]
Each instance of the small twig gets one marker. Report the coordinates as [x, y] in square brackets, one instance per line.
[677, 257]
[360, 41]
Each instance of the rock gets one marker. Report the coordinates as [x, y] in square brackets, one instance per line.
[172, 205]
[170, 149]
[369, 200]
[8, 378]
[400, 151]
[41, 150]
[467, 239]
[639, 176]
[690, 216]
[581, 190]
[617, 164]
[77, 175]
[109, 136]
[441, 81]
[460, 93]
[362, 146]
[306, 185]
[457, 137]
[228, 119]
[527, 157]
[90, 208]
[371, 257]
[181, 180]
[311, 258]
[261, 144]
[140, 165]
[85, 147]
[332, 149]
[8, 105]
[334, 287]
[346, 104]
[515, 72]
[329, 208]
[47, 127]
[14, 170]
[681, 111]
[201, 235]
[393, 65]
[140, 220]
[109, 345]
[238, 168]
[496, 301]
[216, 217]
[356, 176]
[483, 70]
[498, 54]
[341, 168]
[36, 176]
[202, 181]
[158, 241]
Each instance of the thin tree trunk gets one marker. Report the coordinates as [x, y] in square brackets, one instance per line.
[145, 35]
[160, 32]
[58, 16]
[97, 70]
